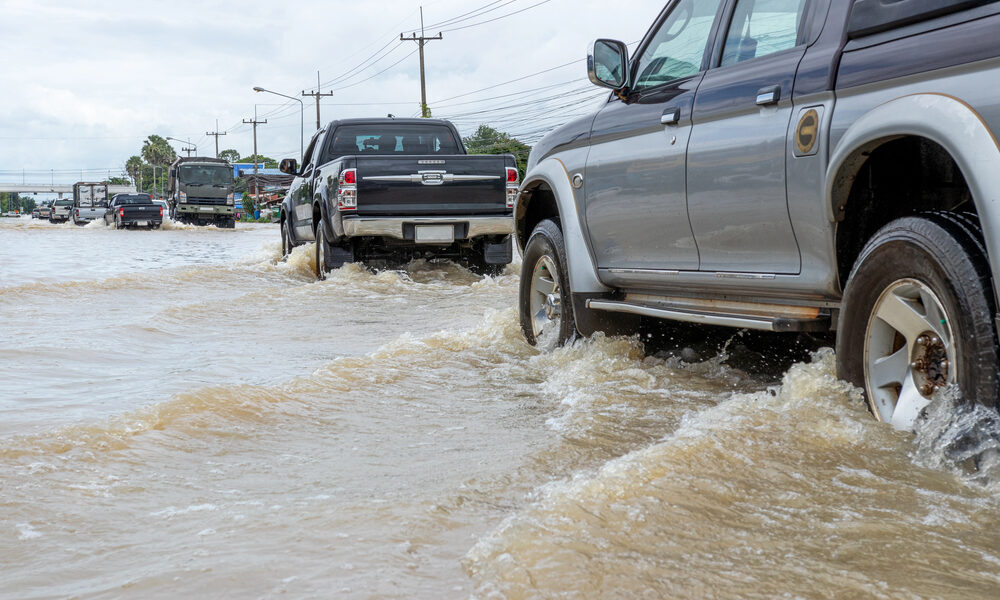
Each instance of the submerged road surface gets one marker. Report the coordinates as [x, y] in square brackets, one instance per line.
[182, 414]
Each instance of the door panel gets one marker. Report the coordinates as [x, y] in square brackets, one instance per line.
[736, 167]
[636, 207]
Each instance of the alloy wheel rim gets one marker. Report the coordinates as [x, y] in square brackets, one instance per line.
[545, 303]
[909, 352]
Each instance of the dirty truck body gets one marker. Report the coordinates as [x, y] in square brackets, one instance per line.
[200, 191]
[816, 166]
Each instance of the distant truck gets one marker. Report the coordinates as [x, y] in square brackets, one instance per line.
[90, 201]
[200, 191]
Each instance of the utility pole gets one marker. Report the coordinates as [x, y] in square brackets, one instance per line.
[255, 123]
[188, 150]
[425, 111]
[216, 135]
[317, 95]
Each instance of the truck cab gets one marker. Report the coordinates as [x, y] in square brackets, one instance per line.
[200, 191]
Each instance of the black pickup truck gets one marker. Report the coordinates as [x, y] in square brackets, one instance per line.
[133, 210]
[399, 189]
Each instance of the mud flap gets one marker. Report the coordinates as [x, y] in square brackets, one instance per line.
[338, 257]
[499, 254]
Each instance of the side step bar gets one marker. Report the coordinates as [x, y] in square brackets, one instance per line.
[816, 322]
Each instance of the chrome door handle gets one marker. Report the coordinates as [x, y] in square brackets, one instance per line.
[671, 116]
[769, 95]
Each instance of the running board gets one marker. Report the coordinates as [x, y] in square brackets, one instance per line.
[803, 321]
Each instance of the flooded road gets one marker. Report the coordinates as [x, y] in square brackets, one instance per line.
[183, 414]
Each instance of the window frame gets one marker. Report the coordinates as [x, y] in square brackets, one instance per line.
[805, 36]
[706, 59]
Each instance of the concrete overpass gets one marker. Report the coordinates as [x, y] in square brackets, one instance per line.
[48, 188]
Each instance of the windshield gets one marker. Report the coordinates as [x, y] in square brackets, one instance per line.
[392, 138]
[216, 175]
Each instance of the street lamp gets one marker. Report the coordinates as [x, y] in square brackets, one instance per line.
[188, 142]
[302, 119]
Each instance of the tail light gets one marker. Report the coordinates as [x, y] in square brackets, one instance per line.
[150, 196]
[513, 187]
[347, 191]
[161, 212]
[121, 212]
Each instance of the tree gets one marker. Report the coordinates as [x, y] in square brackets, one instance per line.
[231, 155]
[118, 181]
[133, 166]
[488, 140]
[156, 151]
[268, 162]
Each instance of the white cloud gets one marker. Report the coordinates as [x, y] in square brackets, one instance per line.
[84, 84]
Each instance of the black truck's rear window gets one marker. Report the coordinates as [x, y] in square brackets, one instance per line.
[138, 199]
[392, 139]
[874, 16]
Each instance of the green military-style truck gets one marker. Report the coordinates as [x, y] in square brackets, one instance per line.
[201, 191]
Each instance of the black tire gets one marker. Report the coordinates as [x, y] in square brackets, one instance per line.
[546, 243]
[322, 253]
[286, 239]
[118, 224]
[943, 253]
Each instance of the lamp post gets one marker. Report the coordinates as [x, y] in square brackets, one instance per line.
[302, 119]
[188, 142]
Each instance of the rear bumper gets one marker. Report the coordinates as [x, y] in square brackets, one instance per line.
[397, 227]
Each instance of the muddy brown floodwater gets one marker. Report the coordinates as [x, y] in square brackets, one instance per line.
[182, 414]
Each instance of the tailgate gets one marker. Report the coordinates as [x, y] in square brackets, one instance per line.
[142, 212]
[432, 185]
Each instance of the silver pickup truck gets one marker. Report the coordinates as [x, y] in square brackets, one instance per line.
[786, 165]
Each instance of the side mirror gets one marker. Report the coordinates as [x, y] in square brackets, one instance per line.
[289, 166]
[607, 64]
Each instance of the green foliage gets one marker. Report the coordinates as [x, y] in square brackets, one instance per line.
[268, 162]
[487, 140]
[133, 166]
[119, 181]
[231, 155]
[13, 201]
[156, 151]
[248, 204]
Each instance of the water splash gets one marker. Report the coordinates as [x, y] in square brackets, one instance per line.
[961, 437]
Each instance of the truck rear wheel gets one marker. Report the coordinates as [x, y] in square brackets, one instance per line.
[546, 306]
[918, 316]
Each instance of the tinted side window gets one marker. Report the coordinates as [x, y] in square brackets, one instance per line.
[762, 27]
[678, 46]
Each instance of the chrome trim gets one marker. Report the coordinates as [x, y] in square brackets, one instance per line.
[766, 99]
[723, 275]
[643, 272]
[761, 324]
[392, 227]
[424, 177]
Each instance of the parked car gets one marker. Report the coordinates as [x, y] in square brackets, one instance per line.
[61, 210]
[397, 189]
[133, 210]
[786, 166]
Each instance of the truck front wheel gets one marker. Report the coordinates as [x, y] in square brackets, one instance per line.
[546, 306]
[918, 316]
[286, 239]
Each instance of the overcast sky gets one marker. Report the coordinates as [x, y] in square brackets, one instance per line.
[83, 84]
